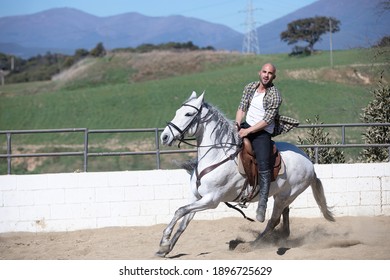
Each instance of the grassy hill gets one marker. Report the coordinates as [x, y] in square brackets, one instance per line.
[125, 90]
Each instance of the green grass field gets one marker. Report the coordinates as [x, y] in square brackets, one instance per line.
[119, 91]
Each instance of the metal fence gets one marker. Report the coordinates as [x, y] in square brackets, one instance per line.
[158, 151]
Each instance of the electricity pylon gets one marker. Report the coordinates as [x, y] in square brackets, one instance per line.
[251, 43]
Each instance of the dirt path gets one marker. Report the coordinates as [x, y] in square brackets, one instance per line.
[310, 239]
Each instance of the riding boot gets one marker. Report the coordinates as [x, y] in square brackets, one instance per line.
[264, 184]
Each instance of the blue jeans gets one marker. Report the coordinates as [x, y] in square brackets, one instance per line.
[262, 147]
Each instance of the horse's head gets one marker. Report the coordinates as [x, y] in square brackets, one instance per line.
[185, 121]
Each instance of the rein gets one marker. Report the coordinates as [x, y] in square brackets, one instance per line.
[212, 167]
[185, 141]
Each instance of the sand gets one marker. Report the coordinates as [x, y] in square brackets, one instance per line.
[349, 238]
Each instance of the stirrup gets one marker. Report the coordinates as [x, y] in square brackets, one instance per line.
[243, 204]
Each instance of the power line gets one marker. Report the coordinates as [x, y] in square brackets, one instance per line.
[251, 43]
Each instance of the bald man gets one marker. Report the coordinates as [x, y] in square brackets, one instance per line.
[259, 106]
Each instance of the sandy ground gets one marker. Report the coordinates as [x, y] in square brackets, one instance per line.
[349, 238]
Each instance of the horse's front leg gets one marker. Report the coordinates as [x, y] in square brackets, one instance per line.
[188, 212]
[165, 243]
[182, 227]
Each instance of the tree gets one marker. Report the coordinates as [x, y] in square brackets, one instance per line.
[377, 111]
[385, 5]
[98, 51]
[317, 136]
[383, 42]
[80, 53]
[309, 30]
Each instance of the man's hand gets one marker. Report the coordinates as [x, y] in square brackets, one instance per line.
[243, 132]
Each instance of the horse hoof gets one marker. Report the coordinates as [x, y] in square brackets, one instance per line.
[161, 254]
[164, 250]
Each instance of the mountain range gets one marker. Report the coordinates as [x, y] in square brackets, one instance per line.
[363, 23]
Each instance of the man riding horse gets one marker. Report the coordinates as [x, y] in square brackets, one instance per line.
[215, 176]
[259, 105]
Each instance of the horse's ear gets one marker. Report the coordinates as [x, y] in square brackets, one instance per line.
[201, 97]
[193, 95]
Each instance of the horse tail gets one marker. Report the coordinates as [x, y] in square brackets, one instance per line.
[319, 196]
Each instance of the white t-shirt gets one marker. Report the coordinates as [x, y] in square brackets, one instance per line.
[256, 112]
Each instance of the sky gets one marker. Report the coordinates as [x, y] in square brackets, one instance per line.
[231, 13]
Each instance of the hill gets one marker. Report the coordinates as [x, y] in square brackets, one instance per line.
[363, 23]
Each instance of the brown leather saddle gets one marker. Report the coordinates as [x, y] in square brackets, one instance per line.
[249, 165]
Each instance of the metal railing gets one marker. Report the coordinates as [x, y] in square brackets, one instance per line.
[158, 151]
[343, 143]
[85, 153]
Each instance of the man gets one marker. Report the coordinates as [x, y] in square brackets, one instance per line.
[259, 105]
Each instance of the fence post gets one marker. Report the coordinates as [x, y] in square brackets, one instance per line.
[86, 132]
[343, 134]
[157, 148]
[9, 153]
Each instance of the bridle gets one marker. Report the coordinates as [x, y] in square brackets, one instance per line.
[183, 132]
[181, 137]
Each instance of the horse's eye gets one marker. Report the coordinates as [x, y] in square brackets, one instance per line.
[189, 114]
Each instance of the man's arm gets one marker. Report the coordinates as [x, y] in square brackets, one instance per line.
[240, 116]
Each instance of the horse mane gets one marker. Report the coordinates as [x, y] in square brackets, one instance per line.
[224, 126]
[224, 130]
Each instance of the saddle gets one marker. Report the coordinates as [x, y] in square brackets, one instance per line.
[248, 167]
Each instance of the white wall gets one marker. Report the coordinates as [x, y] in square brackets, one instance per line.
[72, 201]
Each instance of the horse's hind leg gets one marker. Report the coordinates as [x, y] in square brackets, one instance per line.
[271, 225]
[278, 210]
[286, 222]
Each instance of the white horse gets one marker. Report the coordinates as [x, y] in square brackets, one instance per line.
[216, 178]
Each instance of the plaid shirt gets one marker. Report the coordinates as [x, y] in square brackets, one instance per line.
[271, 102]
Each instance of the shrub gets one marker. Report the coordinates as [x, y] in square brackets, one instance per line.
[377, 111]
[317, 136]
